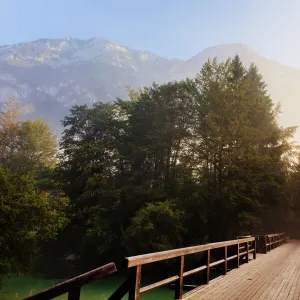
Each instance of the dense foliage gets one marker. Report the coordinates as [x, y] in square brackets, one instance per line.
[32, 209]
[177, 164]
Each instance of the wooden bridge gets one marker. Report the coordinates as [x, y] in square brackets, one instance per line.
[252, 267]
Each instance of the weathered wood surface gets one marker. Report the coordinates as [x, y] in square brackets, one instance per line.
[275, 275]
[243, 246]
[163, 255]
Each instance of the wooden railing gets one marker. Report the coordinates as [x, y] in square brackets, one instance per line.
[274, 240]
[73, 286]
[243, 248]
[234, 251]
[267, 242]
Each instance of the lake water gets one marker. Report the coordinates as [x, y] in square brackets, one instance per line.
[19, 287]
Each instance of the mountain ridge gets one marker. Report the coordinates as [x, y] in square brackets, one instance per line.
[51, 75]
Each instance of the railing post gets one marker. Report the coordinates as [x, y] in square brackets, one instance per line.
[208, 266]
[255, 247]
[238, 255]
[74, 294]
[179, 282]
[135, 282]
[225, 258]
[247, 249]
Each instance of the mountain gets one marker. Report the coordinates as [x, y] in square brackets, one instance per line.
[51, 75]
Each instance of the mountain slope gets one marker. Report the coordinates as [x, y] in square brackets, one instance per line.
[49, 76]
[283, 83]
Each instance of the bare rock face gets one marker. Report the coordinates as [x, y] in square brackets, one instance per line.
[49, 76]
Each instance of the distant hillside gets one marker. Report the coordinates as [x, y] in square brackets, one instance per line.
[49, 76]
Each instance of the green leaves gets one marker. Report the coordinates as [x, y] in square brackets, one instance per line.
[27, 216]
[156, 227]
[176, 164]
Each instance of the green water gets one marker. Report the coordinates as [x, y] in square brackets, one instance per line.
[19, 287]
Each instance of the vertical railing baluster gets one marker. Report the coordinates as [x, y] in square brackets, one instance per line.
[247, 249]
[179, 282]
[255, 249]
[135, 283]
[238, 255]
[208, 266]
[225, 258]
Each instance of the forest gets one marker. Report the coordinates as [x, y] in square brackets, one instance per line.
[174, 165]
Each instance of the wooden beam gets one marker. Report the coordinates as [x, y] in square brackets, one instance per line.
[179, 282]
[238, 255]
[247, 250]
[225, 259]
[135, 282]
[158, 284]
[163, 255]
[207, 266]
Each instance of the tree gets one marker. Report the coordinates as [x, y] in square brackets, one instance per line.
[35, 147]
[204, 154]
[156, 227]
[27, 217]
[25, 146]
[8, 128]
[239, 148]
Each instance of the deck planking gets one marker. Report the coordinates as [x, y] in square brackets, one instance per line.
[275, 275]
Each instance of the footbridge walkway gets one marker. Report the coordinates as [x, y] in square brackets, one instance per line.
[249, 267]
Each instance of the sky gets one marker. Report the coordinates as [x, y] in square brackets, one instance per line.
[171, 28]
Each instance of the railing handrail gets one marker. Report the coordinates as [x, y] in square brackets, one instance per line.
[74, 283]
[275, 234]
[163, 255]
[245, 246]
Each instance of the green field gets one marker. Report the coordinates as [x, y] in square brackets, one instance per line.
[19, 287]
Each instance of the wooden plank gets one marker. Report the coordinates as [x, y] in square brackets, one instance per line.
[220, 289]
[163, 255]
[232, 257]
[215, 284]
[236, 288]
[158, 284]
[253, 285]
[188, 273]
[271, 276]
[218, 262]
[258, 287]
[296, 294]
[255, 288]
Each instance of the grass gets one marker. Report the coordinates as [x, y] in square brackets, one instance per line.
[19, 287]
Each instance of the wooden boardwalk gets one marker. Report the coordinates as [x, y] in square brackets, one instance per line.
[275, 275]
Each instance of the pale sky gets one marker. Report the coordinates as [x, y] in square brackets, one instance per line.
[172, 28]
